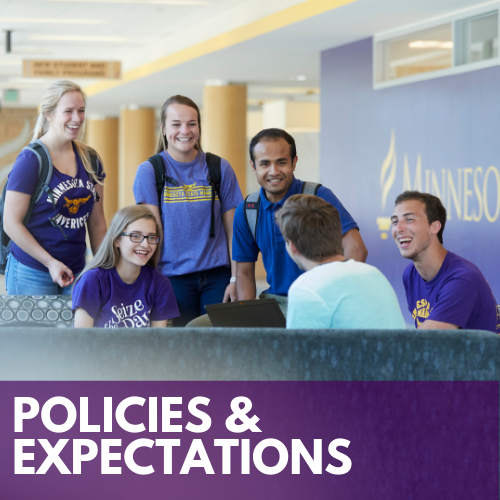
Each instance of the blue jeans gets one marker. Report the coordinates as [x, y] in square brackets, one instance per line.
[24, 280]
[194, 291]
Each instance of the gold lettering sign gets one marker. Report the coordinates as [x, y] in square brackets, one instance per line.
[469, 194]
[72, 69]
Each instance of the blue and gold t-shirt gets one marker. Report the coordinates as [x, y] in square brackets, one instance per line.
[458, 294]
[58, 225]
[186, 210]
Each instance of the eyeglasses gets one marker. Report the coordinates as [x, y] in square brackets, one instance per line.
[139, 238]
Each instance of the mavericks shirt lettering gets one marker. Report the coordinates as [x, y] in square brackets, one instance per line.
[76, 197]
[58, 221]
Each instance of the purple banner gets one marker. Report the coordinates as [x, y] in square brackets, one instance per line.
[185, 440]
[438, 136]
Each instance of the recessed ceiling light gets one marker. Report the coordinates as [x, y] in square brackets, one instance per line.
[301, 78]
[80, 38]
[161, 2]
[430, 44]
[292, 90]
[50, 20]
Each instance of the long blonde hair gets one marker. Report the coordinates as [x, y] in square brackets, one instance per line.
[50, 100]
[176, 99]
[108, 254]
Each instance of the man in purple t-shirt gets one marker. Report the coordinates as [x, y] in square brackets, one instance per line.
[444, 291]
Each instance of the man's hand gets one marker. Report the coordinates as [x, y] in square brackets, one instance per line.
[230, 293]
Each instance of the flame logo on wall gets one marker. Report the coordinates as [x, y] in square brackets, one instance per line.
[387, 178]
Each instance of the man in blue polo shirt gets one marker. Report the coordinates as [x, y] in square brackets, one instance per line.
[273, 159]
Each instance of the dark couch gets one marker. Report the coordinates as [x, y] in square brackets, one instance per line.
[246, 354]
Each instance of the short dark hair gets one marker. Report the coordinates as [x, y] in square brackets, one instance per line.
[273, 134]
[313, 225]
[434, 209]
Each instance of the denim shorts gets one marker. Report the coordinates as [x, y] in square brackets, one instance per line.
[24, 280]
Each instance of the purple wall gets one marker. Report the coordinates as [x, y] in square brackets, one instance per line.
[452, 123]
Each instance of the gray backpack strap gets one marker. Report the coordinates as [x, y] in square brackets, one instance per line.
[252, 206]
[45, 169]
[310, 188]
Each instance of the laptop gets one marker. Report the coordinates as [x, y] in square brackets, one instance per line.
[260, 313]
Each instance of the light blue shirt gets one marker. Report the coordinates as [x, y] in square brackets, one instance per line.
[343, 295]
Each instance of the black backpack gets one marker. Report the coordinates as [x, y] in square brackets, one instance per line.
[214, 179]
[42, 186]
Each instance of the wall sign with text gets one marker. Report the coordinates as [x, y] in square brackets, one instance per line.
[72, 69]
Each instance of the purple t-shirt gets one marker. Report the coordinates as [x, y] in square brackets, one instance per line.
[74, 199]
[115, 304]
[186, 211]
[458, 294]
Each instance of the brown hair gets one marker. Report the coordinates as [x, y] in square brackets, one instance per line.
[434, 209]
[175, 99]
[313, 225]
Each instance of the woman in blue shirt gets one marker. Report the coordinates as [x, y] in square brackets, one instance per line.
[199, 266]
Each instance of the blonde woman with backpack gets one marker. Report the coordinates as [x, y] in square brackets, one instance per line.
[49, 251]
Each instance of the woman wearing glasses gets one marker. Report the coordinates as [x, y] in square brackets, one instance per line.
[120, 287]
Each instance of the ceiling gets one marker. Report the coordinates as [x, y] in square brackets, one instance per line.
[175, 46]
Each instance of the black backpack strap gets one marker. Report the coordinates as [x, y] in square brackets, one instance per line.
[4, 237]
[160, 175]
[252, 208]
[214, 178]
[94, 162]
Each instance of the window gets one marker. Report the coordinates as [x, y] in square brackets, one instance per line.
[420, 52]
[456, 43]
[477, 38]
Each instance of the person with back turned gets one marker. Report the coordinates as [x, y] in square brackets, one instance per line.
[273, 157]
[334, 292]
